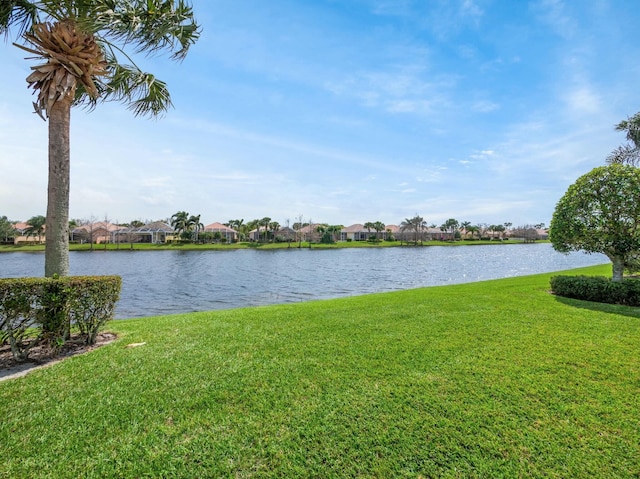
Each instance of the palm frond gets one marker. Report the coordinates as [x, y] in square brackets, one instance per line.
[632, 127]
[109, 28]
[142, 92]
[149, 25]
[625, 155]
[18, 14]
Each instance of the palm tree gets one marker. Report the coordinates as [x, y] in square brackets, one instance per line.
[180, 222]
[464, 226]
[473, 229]
[254, 225]
[417, 224]
[264, 222]
[78, 43]
[274, 226]
[239, 227]
[36, 226]
[194, 225]
[629, 153]
[451, 225]
[406, 226]
[369, 226]
[378, 226]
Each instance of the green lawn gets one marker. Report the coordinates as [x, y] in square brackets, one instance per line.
[484, 380]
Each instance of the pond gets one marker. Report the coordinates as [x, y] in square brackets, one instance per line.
[166, 282]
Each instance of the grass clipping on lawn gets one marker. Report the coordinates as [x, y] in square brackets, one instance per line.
[491, 379]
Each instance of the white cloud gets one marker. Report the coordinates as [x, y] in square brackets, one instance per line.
[583, 100]
[397, 90]
[485, 106]
[158, 182]
[469, 8]
[553, 13]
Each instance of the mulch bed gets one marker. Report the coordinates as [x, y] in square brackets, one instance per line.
[42, 355]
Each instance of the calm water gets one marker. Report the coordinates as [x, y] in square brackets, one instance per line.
[164, 282]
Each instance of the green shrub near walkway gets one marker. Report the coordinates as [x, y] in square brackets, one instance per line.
[491, 379]
[37, 311]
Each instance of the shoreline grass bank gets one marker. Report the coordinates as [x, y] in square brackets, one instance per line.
[490, 379]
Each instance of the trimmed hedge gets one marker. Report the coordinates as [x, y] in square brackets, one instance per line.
[37, 311]
[598, 289]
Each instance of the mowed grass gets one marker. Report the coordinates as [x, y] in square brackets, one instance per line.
[484, 380]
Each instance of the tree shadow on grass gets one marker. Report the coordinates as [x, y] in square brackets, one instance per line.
[630, 311]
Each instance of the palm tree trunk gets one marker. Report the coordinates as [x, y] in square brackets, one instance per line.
[57, 233]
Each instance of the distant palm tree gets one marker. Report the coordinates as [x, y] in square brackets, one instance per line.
[378, 226]
[36, 227]
[239, 227]
[464, 226]
[406, 226]
[78, 43]
[369, 225]
[264, 222]
[473, 229]
[417, 225]
[274, 226]
[254, 225]
[179, 222]
[194, 226]
[450, 226]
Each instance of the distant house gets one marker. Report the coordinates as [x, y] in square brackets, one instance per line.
[425, 234]
[309, 233]
[154, 232]
[358, 232]
[391, 230]
[440, 235]
[229, 234]
[21, 236]
[98, 232]
[285, 234]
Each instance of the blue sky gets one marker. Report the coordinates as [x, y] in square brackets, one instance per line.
[349, 111]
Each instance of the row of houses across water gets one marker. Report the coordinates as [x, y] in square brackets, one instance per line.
[161, 232]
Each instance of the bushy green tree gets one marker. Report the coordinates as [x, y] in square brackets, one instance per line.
[450, 226]
[600, 213]
[6, 229]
